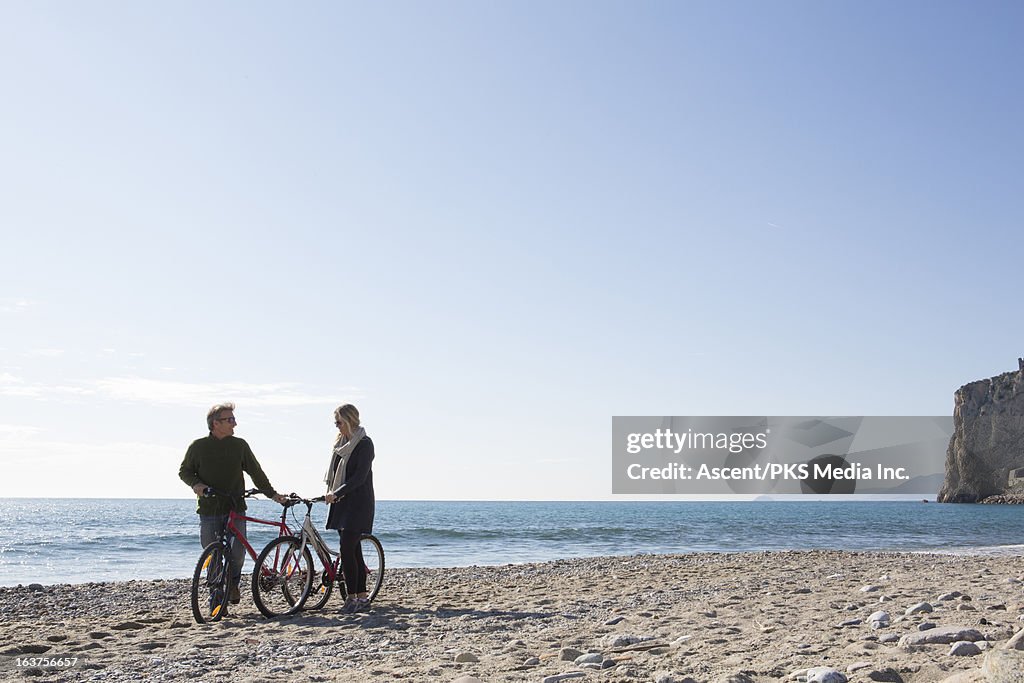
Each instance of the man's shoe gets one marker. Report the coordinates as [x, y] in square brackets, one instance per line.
[235, 597]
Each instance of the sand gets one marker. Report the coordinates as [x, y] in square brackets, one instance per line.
[707, 618]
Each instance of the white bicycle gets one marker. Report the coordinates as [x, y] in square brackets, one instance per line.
[287, 578]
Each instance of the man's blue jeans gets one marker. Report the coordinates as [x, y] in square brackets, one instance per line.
[210, 527]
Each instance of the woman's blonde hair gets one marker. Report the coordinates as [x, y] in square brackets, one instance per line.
[347, 414]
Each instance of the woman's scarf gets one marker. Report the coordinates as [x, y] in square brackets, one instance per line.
[343, 448]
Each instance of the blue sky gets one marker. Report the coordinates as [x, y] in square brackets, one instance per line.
[491, 226]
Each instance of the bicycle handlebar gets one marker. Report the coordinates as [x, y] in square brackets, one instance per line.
[210, 492]
[295, 499]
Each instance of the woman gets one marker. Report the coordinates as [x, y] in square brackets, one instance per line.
[350, 494]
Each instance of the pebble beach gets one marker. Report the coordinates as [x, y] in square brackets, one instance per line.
[820, 616]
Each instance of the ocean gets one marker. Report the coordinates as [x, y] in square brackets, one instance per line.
[82, 540]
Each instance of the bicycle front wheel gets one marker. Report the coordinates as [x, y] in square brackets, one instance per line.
[282, 578]
[210, 583]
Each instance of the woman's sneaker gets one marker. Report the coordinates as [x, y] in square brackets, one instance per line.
[351, 606]
[362, 605]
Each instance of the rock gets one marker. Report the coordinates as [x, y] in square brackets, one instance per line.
[825, 674]
[1004, 666]
[919, 608]
[946, 597]
[886, 675]
[624, 639]
[614, 620]
[848, 623]
[735, 678]
[532, 661]
[889, 638]
[568, 654]
[563, 677]
[669, 677]
[466, 679]
[589, 658]
[132, 625]
[857, 666]
[879, 620]
[964, 648]
[35, 587]
[870, 589]
[984, 451]
[943, 635]
[465, 657]
[1016, 642]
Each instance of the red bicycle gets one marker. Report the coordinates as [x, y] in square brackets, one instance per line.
[214, 570]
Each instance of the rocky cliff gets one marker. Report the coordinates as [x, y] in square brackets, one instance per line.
[986, 453]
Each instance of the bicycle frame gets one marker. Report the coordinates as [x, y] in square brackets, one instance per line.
[232, 531]
[310, 536]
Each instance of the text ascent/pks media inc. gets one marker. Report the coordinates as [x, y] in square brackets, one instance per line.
[768, 471]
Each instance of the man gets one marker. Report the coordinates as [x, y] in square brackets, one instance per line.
[218, 461]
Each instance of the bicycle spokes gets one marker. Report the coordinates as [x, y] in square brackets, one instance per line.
[285, 575]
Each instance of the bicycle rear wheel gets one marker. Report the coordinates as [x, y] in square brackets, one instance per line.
[282, 578]
[373, 559]
[210, 583]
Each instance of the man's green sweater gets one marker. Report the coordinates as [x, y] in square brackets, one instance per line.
[219, 463]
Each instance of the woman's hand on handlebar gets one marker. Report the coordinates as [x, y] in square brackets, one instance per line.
[330, 498]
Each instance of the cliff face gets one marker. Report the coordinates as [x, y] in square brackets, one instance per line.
[988, 439]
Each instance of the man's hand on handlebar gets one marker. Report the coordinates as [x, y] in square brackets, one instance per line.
[199, 488]
[281, 499]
